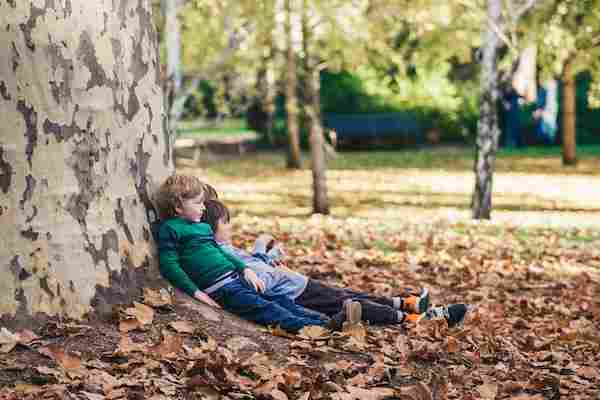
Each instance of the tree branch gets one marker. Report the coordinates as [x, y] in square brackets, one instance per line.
[498, 30]
[525, 8]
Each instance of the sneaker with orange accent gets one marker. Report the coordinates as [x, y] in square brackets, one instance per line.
[412, 318]
[416, 304]
[351, 314]
[454, 314]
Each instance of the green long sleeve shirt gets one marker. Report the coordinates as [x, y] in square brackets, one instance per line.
[190, 259]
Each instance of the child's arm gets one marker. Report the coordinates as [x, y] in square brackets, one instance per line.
[171, 270]
[250, 276]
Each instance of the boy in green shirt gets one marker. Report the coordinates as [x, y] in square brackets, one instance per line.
[192, 261]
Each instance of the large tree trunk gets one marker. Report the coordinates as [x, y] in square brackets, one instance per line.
[569, 122]
[312, 106]
[82, 147]
[488, 131]
[294, 157]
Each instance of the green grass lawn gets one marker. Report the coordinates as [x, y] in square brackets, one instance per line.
[201, 128]
[532, 160]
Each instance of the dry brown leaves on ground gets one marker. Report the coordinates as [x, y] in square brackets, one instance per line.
[533, 334]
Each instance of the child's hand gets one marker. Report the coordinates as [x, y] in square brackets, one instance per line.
[203, 297]
[254, 280]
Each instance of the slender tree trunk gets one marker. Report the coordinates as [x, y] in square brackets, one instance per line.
[569, 121]
[269, 102]
[312, 106]
[173, 43]
[270, 89]
[294, 159]
[261, 115]
[317, 143]
[488, 131]
[82, 147]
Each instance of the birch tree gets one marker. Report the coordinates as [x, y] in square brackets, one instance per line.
[488, 130]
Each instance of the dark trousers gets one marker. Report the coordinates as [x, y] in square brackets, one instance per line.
[329, 301]
[239, 298]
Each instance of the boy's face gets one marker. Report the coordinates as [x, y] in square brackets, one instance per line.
[192, 208]
[223, 233]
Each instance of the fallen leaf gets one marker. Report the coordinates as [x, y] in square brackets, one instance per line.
[292, 378]
[92, 396]
[452, 345]
[241, 381]
[370, 394]
[103, 379]
[305, 396]
[587, 372]
[277, 331]
[359, 380]
[59, 355]
[143, 313]
[277, 394]
[126, 345]
[26, 336]
[8, 340]
[488, 391]
[208, 393]
[182, 327]
[357, 331]
[25, 388]
[170, 345]
[117, 394]
[528, 397]
[157, 298]
[417, 392]
[128, 325]
[313, 332]
[49, 371]
[237, 343]
[402, 346]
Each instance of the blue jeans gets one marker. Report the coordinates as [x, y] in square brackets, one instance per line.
[239, 298]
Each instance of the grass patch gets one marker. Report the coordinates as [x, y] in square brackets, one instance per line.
[537, 160]
[228, 128]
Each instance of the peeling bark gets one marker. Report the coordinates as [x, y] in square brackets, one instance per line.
[120, 218]
[4, 91]
[77, 178]
[6, 173]
[15, 57]
[31, 133]
[30, 183]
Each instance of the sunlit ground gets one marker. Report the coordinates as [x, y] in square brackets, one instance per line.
[529, 189]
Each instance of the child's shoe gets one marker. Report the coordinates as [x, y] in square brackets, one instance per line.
[416, 304]
[409, 318]
[353, 310]
[453, 313]
[351, 314]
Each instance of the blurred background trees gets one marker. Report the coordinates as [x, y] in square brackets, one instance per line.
[284, 66]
